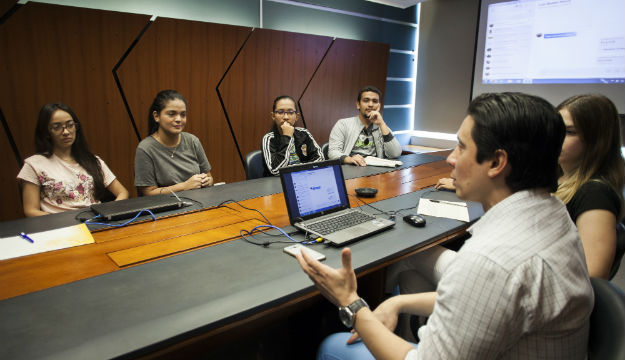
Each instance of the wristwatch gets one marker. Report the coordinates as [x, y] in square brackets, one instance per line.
[348, 313]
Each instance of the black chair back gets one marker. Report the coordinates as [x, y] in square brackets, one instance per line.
[607, 322]
[620, 249]
[324, 149]
[254, 166]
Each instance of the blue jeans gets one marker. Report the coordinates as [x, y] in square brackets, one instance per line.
[335, 347]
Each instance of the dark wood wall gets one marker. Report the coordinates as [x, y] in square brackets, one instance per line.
[74, 55]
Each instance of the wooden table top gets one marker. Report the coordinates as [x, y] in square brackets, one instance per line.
[115, 249]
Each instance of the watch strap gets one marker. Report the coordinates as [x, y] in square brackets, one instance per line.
[357, 305]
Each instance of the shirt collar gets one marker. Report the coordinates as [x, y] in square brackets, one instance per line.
[504, 207]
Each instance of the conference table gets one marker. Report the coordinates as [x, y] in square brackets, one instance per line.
[156, 289]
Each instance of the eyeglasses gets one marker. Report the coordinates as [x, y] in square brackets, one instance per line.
[70, 125]
[285, 112]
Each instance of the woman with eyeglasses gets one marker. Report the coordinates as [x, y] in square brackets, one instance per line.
[286, 144]
[169, 159]
[64, 174]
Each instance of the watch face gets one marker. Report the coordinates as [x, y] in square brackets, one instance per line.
[346, 316]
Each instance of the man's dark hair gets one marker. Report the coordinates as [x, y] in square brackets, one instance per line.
[369, 88]
[528, 128]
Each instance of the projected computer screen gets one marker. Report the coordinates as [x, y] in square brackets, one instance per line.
[557, 41]
[552, 48]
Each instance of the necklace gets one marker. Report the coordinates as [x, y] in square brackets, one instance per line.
[161, 141]
[68, 159]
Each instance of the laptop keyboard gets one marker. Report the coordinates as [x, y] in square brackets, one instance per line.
[341, 222]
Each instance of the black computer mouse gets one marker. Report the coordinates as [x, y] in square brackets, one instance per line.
[415, 220]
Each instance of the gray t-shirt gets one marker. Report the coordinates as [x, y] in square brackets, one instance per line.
[155, 165]
[364, 145]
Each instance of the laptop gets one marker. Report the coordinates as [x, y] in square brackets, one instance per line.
[126, 209]
[316, 199]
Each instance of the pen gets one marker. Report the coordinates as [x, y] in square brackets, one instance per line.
[448, 202]
[26, 237]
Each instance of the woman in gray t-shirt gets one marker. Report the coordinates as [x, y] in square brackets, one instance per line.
[170, 159]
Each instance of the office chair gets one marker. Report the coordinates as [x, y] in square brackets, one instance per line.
[620, 249]
[324, 150]
[606, 340]
[254, 166]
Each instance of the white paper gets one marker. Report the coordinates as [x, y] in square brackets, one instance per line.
[61, 238]
[441, 208]
[376, 161]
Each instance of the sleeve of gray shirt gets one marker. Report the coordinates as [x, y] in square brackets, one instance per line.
[392, 148]
[336, 143]
[145, 173]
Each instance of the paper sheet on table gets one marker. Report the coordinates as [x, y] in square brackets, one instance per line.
[62, 238]
[441, 208]
[376, 161]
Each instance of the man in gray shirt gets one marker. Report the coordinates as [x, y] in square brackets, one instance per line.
[352, 139]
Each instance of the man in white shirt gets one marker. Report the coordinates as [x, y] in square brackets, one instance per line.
[519, 288]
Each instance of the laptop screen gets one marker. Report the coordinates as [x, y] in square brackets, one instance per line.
[314, 189]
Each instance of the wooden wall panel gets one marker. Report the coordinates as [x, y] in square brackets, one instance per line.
[11, 204]
[61, 53]
[348, 66]
[271, 64]
[66, 54]
[6, 5]
[190, 57]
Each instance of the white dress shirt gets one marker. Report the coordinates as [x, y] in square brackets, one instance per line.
[518, 289]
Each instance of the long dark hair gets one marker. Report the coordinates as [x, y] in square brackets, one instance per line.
[159, 103]
[596, 119]
[80, 150]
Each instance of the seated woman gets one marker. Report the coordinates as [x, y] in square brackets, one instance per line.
[285, 144]
[170, 160]
[592, 176]
[592, 168]
[64, 174]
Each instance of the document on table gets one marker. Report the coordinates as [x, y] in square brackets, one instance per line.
[376, 161]
[15, 246]
[442, 208]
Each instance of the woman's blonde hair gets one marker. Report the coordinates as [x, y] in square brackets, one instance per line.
[597, 122]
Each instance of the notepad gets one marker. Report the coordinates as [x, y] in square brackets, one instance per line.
[376, 161]
[457, 210]
[16, 246]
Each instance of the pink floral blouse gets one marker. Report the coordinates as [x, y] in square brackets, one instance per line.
[63, 186]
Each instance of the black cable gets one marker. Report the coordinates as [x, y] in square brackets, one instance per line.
[245, 233]
[196, 202]
[80, 219]
[245, 207]
[393, 213]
